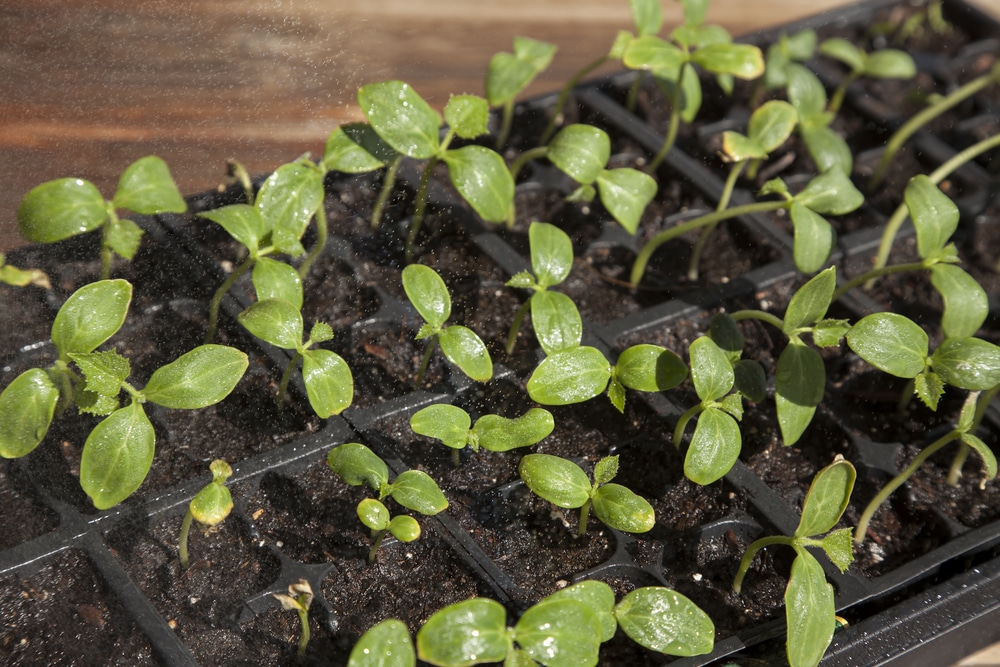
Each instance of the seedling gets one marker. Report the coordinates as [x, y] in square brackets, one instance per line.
[809, 606]
[564, 484]
[118, 453]
[453, 426]
[581, 152]
[67, 207]
[881, 64]
[209, 507]
[298, 599]
[355, 148]
[797, 48]
[276, 319]
[554, 316]
[460, 345]
[510, 73]
[565, 629]
[413, 489]
[11, 275]
[807, 94]
[387, 644]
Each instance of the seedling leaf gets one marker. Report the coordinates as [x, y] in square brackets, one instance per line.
[243, 222]
[328, 380]
[467, 115]
[626, 192]
[105, 371]
[598, 596]
[117, 456]
[357, 465]
[827, 498]
[845, 52]
[831, 193]
[890, 64]
[809, 304]
[384, 645]
[966, 304]
[647, 15]
[146, 187]
[556, 320]
[560, 633]
[404, 528]
[935, 216]
[751, 381]
[466, 350]
[123, 237]
[580, 151]
[557, 480]
[499, 434]
[809, 610]
[448, 423]
[373, 514]
[799, 383]
[968, 363]
[714, 448]
[771, 125]
[26, 408]
[276, 280]
[59, 209]
[204, 376]
[415, 490]
[620, 508]
[663, 620]
[839, 549]
[275, 321]
[929, 387]
[744, 61]
[401, 117]
[570, 376]
[650, 368]
[288, 199]
[90, 316]
[482, 178]
[465, 633]
[814, 238]
[891, 343]
[985, 453]
[427, 292]
[551, 253]
[355, 148]
[711, 372]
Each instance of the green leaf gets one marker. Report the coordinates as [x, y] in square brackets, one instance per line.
[570, 376]
[711, 372]
[373, 514]
[533, 51]
[404, 528]
[814, 239]
[522, 280]
[557, 480]
[287, 200]
[690, 95]
[467, 115]
[827, 149]
[622, 40]
[465, 633]
[598, 596]
[831, 193]
[146, 187]
[772, 123]
[580, 152]
[930, 388]
[799, 383]
[810, 302]
[967, 416]
[91, 315]
[935, 216]
[551, 253]
[732, 405]
[499, 434]
[616, 394]
[357, 465]
[123, 237]
[744, 61]
[105, 371]
[663, 620]
[92, 403]
[328, 380]
[839, 548]
[606, 470]
[890, 64]
[204, 376]
[355, 148]
[809, 610]
[751, 380]
[448, 423]
[829, 332]
[384, 645]
[428, 294]
[415, 490]
[320, 333]
[649, 52]
[968, 363]
[985, 453]
[26, 408]
[738, 148]
[725, 332]
[846, 52]
[117, 456]
[276, 280]
[827, 498]
[275, 321]
[402, 118]
[560, 633]
[966, 304]
[59, 209]
[647, 16]
[506, 76]
[650, 368]
[714, 448]
[890, 342]
[775, 186]
[214, 502]
[482, 178]
[462, 347]
[620, 508]
[805, 93]
[243, 222]
[626, 193]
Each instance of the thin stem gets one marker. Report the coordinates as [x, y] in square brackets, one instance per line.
[982, 403]
[322, 232]
[213, 305]
[955, 470]
[421, 205]
[584, 515]
[838, 95]
[875, 273]
[761, 315]
[456, 458]
[506, 120]
[751, 551]
[107, 254]
[182, 541]
[428, 351]
[304, 637]
[675, 121]
[683, 422]
[557, 110]
[523, 159]
[727, 193]
[285, 377]
[383, 196]
[515, 326]
[633, 91]
[898, 481]
[642, 259]
[378, 536]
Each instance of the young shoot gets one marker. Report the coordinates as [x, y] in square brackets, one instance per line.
[414, 489]
[510, 73]
[809, 605]
[807, 94]
[355, 148]
[797, 48]
[454, 428]
[882, 64]
[210, 506]
[564, 484]
[460, 345]
[298, 599]
[15, 277]
[387, 644]
[67, 207]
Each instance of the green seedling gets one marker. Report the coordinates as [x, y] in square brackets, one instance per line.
[276, 319]
[672, 64]
[565, 629]
[807, 94]
[67, 207]
[564, 484]
[411, 127]
[809, 605]
[554, 316]
[460, 345]
[414, 489]
[118, 453]
[298, 599]
[830, 193]
[797, 48]
[209, 507]
[581, 152]
[355, 148]
[11, 275]
[387, 644]
[882, 64]
[510, 73]
[453, 426]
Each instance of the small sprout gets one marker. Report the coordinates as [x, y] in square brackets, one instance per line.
[375, 516]
[387, 644]
[298, 599]
[882, 64]
[11, 275]
[451, 425]
[355, 148]
[209, 507]
[510, 73]
[563, 483]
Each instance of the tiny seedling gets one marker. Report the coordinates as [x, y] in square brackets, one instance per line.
[797, 48]
[453, 426]
[11, 275]
[881, 64]
[355, 148]
[67, 207]
[298, 599]
[807, 94]
[209, 507]
[564, 484]
[414, 489]
[387, 644]
[510, 73]
[809, 606]
[460, 345]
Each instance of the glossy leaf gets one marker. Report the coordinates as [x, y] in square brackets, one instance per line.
[551, 253]
[467, 115]
[966, 304]
[204, 376]
[890, 64]
[465, 633]
[929, 387]
[570, 376]
[828, 149]
[772, 123]
[275, 321]
[810, 302]
[846, 52]
[620, 508]
[557, 480]
[809, 610]
[357, 465]
[711, 372]
[985, 453]
[276, 280]
[598, 596]
[288, 200]
[738, 148]
[650, 368]
[427, 292]
[935, 216]
[653, 53]
[117, 456]
[560, 633]
[27, 406]
[415, 490]
[647, 16]
[482, 178]
[123, 237]
[104, 371]
[506, 76]
[243, 222]
[59, 209]
[751, 381]
[580, 151]
[146, 187]
[373, 514]
[891, 343]
[827, 498]
[799, 383]
[829, 332]
[968, 363]
[831, 193]
[401, 117]
[214, 502]
[499, 434]
[91, 315]
[448, 423]
[329, 382]
[404, 528]
[744, 61]
[725, 332]
[714, 448]
[626, 193]
[839, 548]
[355, 148]
[387, 644]
[805, 93]
[663, 620]
[814, 239]
[466, 350]
[605, 470]
[556, 320]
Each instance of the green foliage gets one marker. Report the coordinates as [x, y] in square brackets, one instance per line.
[453, 427]
[210, 506]
[11, 275]
[387, 644]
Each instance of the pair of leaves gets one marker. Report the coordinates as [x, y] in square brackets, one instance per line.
[374, 515]
[510, 73]
[770, 126]
[806, 93]
[453, 427]
[11, 275]
[788, 49]
[881, 64]
[414, 489]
